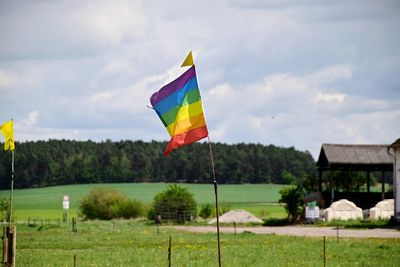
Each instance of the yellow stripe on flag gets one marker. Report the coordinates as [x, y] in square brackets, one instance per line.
[185, 113]
[189, 124]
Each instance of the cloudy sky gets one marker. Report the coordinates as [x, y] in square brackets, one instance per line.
[288, 73]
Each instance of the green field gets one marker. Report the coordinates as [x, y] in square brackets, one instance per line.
[135, 243]
[46, 203]
[45, 242]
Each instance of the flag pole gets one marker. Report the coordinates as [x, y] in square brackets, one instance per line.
[12, 186]
[216, 200]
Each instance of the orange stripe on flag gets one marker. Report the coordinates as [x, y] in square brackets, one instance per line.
[187, 124]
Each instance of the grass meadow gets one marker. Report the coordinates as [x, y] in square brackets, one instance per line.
[44, 242]
[46, 203]
[136, 243]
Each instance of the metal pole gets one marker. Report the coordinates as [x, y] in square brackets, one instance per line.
[216, 201]
[12, 186]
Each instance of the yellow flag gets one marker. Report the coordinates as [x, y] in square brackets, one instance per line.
[7, 129]
[188, 60]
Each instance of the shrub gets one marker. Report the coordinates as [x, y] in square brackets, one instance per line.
[107, 204]
[5, 209]
[293, 198]
[175, 204]
[206, 211]
[222, 209]
[151, 214]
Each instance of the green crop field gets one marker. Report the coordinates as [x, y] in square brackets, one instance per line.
[135, 243]
[46, 203]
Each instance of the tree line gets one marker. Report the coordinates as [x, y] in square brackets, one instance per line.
[60, 162]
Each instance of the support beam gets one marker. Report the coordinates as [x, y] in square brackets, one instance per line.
[383, 184]
[368, 181]
[395, 151]
[320, 180]
[332, 187]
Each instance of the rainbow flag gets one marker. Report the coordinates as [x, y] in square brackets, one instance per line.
[179, 106]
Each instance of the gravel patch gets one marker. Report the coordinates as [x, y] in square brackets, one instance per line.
[311, 231]
[237, 216]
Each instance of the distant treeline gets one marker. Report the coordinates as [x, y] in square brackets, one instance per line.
[60, 162]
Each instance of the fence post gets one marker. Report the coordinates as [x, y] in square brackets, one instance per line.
[337, 234]
[9, 245]
[65, 216]
[5, 246]
[74, 228]
[169, 252]
[324, 252]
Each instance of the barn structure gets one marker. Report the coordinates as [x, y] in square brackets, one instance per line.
[365, 158]
[394, 150]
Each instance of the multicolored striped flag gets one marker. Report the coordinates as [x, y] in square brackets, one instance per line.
[179, 106]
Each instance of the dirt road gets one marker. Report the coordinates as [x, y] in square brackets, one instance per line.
[299, 231]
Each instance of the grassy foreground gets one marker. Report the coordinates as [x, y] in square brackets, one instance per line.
[46, 203]
[132, 243]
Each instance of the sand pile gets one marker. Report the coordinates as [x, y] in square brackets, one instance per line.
[238, 216]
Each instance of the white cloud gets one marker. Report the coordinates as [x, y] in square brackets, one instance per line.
[27, 128]
[221, 91]
[6, 79]
[69, 29]
[277, 93]
[297, 109]
[270, 71]
[331, 74]
[131, 99]
[328, 97]
[31, 119]
[118, 67]
[111, 23]
[27, 78]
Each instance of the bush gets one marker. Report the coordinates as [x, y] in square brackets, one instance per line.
[107, 204]
[206, 211]
[293, 198]
[151, 214]
[224, 208]
[175, 204]
[5, 209]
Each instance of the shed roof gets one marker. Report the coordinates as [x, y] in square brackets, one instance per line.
[355, 156]
[396, 143]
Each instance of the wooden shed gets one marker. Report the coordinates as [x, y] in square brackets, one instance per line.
[367, 158]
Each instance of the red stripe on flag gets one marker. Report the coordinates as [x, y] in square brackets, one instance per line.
[186, 138]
